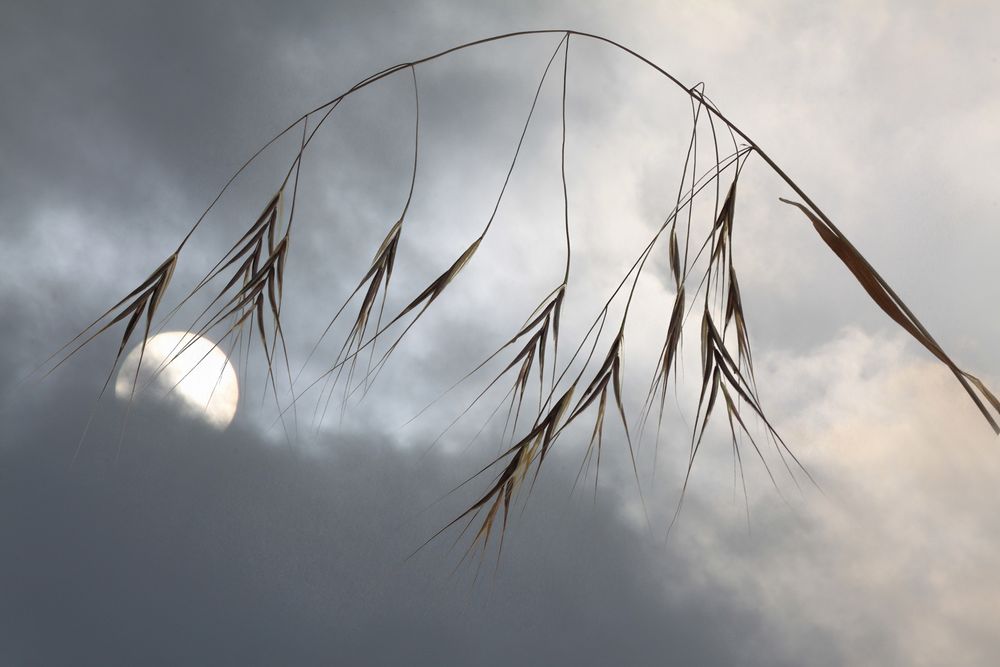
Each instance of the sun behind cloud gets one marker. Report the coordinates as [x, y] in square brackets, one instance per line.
[191, 370]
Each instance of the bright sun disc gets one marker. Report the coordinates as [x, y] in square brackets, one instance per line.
[199, 376]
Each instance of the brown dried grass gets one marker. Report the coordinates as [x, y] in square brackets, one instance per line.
[251, 273]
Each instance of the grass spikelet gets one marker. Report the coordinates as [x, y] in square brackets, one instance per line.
[609, 373]
[144, 299]
[880, 292]
[734, 314]
[528, 452]
[665, 364]
[254, 268]
[377, 278]
[422, 302]
[542, 325]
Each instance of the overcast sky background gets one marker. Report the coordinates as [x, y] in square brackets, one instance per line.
[122, 120]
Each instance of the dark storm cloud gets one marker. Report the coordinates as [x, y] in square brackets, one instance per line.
[108, 102]
[209, 549]
[122, 119]
[116, 99]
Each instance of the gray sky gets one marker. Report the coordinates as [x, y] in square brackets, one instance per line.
[122, 121]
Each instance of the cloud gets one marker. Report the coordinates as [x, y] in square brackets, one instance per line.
[198, 548]
[894, 564]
